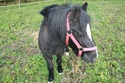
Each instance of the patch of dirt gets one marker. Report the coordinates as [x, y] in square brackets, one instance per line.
[24, 45]
[35, 36]
[77, 72]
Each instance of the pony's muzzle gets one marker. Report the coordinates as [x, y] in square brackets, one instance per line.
[89, 58]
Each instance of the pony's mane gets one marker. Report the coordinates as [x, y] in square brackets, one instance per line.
[47, 9]
[54, 7]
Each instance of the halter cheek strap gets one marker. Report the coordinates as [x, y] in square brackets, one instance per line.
[70, 35]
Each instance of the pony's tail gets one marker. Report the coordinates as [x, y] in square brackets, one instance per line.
[47, 9]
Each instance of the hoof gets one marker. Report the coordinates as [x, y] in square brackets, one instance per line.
[67, 53]
[50, 82]
[60, 73]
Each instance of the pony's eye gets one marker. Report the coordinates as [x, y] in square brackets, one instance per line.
[81, 35]
[78, 33]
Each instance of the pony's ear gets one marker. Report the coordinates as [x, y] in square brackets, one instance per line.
[84, 6]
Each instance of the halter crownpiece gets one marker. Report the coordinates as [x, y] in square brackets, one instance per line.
[70, 35]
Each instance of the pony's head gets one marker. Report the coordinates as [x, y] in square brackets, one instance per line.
[80, 26]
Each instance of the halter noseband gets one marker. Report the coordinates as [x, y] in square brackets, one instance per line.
[70, 35]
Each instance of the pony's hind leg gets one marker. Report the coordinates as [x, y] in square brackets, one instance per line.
[50, 68]
[59, 61]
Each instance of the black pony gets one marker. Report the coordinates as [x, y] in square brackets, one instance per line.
[53, 32]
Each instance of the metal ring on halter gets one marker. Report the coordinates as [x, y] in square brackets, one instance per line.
[69, 32]
[81, 48]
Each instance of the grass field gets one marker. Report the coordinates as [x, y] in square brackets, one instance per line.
[22, 62]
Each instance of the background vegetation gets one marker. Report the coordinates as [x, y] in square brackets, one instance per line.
[8, 2]
[22, 62]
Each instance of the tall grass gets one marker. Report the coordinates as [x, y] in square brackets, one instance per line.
[22, 62]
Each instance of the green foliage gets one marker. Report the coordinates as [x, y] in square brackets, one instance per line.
[22, 62]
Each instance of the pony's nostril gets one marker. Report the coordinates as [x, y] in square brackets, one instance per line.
[93, 60]
[86, 58]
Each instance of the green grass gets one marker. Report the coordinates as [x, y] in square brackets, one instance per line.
[22, 62]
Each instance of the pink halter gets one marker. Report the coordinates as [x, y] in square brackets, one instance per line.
[70, 35]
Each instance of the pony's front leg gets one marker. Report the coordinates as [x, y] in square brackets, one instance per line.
[67, 51]
[50, 69]
[59, 61]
